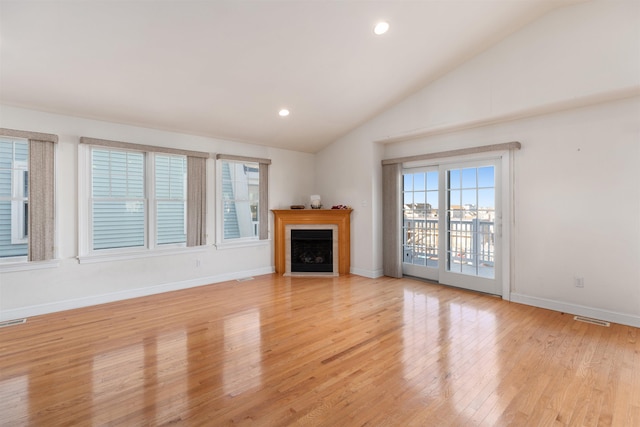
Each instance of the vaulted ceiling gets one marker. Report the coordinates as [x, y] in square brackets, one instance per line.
[225, 68]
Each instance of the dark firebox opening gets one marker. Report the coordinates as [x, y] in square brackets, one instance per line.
[312, 251]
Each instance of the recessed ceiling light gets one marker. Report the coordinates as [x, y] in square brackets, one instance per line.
[381, 28]
[283, 113]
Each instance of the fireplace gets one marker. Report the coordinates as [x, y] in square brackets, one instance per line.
[311, 251]
[313, 230]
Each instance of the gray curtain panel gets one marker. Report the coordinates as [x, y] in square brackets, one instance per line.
[196, 201]
[41, 200]
[391, 226]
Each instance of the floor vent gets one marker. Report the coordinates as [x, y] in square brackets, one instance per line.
[244, 279]
[12, 322]
[592, 321]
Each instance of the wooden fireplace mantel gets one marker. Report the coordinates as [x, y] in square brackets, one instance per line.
[339, 217]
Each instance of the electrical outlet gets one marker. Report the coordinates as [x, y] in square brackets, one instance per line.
[578, 282]
[197, 263]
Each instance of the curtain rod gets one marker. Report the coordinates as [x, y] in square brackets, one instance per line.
[514, 145]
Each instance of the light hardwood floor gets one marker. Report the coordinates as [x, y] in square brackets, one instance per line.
[346, 351]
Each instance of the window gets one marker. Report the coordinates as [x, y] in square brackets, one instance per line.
[27, 193]
[240, 199]
[243, 189]
[139, 198]
[14, 197]
[118, 203]
[119, 211]
[171, 199]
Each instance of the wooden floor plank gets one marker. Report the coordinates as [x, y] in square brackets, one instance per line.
[345, 351]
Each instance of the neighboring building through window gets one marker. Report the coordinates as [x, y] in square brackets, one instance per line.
[14, 197]
[240, 199]
[243, 199]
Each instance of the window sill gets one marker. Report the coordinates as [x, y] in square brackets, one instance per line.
[242, 244]
[120, 256]
[26, 265]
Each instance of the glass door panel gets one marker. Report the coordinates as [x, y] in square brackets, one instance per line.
[420, 227]
[471, 241]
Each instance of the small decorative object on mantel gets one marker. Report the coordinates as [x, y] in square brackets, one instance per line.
[315, 202]
[297, 206]
[340, 207]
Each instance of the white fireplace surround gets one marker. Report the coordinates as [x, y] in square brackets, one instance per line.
[287, 249]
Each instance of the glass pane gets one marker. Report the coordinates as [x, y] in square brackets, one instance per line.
[9, 247]
[418, 181]
[117, 174]
[469, 178]
[14, 192]
[455, 199]
[240, 191]
[486, 199]
[162, 177]
[469, 201]
[5, 183]
[471, 222]
[432, 180]
[171, 176]
[408, 198]
[408, 182]
[419, 199]
[432, 203]
[118, 224]
[486, 177]
[6, 154]
[420, 221]
[454, 178]
[22, 151]
[454, 263]
[170, 219]
[456, 216]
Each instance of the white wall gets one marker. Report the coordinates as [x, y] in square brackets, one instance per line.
[25, 293]
[569, 81]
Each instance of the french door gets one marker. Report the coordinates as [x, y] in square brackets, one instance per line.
[452, 224]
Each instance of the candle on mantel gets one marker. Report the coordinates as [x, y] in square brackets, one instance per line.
[315, 202]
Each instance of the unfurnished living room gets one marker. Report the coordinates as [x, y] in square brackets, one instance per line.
[323, 213]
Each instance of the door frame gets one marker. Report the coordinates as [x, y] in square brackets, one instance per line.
[505, 159]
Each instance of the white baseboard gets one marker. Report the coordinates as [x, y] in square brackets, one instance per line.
[594, 313]
[371, 274]
[36, 310]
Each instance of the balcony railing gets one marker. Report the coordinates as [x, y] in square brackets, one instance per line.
[471, 241]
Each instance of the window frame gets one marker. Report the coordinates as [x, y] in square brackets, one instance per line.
[262, 236]
[220, 239]
[17, 200]
[85, 216]
[41, 163]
